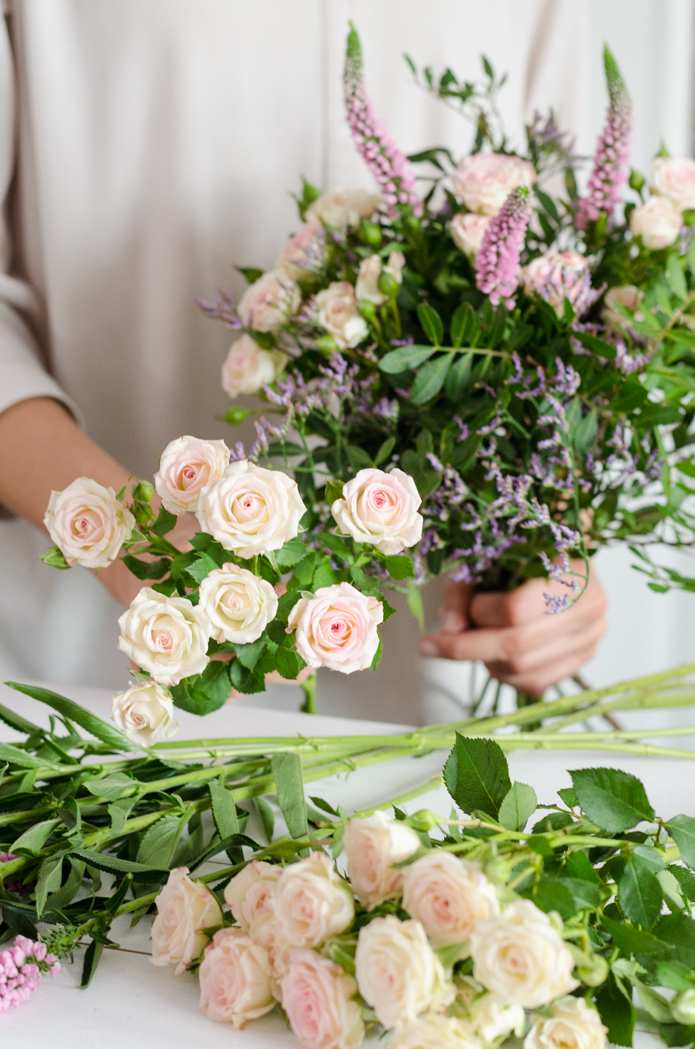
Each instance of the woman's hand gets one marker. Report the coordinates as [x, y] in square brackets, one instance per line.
[513, 635]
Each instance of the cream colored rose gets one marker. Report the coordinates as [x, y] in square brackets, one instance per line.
[520, 956]
[380, 508]
[491, 1019]
[433, 1031]
[343, 208]
[184, 907]
[311, 903]
[658, 223]
[626, 295]
[251, 510]
[318, 997]
[336, 311]
[484, 181]
[467, 232]
[397, 971]
[144, 713]
[303, 251]
[235, 979]
[248, 368]
[559, 275]
[269, 302]
[87, 523]
[249, 894]
[337, 628]
[185, 467]
[238, 604]
[367, 287]
[372, 846]
[166, 636]
[449, 896]
[674, 177]
[574, 1024]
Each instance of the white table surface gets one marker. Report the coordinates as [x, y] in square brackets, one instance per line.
[131, 1003]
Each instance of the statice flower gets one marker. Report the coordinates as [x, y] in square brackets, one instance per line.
[497, 266]
[223, 308]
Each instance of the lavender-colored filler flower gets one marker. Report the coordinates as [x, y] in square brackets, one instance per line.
[497, 266]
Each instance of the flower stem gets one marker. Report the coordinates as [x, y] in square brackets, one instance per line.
[308, 687]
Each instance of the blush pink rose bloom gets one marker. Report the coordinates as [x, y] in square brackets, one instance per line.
[380, 508]
[337, 628]
[467, 232]
[449, 896]
[269, 302]
[184, 907]
[483, 181]
[238, 604]
[311, 903]
[249, 894]
[251, 510]
[574, 1024]
[88, 524]
[373, 846]
[303, 251]
[674, 177]
[335, 309]
[559, 275]
[248, 368]
[658, 223]
[185, 467]
[318, 997]
[166, 636]
[235, 979]
[343, 208]
[433, 1031]
[143, 713]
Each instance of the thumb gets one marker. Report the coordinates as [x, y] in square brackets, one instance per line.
[454, 613]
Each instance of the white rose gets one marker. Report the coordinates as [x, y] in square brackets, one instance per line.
[238, 604]
[336, 311]
[432, 1031]
[166, 636]
[184, 907]
[449, 896]
[88, 523]
[492, 1020]
[269, 302]
[367, 287]
[397, 971]
[251, 510]
[520, 956]
[574, 1024]
[186, 465]
[248, 368]
[380, 508]
[626, 295]
[311, 903]
[343, 208]
[249, 894]
[484, 181]
[674, 177]
[303, 251]
[143, 712]
[658, 223]
[372, 846]
[235, 979]
[337, 628]
[318, 997]
[467, 232]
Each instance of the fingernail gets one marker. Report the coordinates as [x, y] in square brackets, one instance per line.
[452, 622]
[428, 648]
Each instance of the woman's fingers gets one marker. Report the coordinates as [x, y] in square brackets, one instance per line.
[535, 683]
[454, 613]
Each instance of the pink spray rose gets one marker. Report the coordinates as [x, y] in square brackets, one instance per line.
[560, 275]
[88, 523]
[484, 181]
[336, 311]
[270, 301]
[249, 894]
[238, 604]
[184, 907]
[658, 223]
[449, 896]
[674, 177]
[343, 208]
[235, 979]
[143, 712]
[337, 628]
[166, 636]
[467, 232]
[185, 467]
[380, 508]
[311, 903]
[318, 998]
[433, 1031]
[373, 846]
[248, 368]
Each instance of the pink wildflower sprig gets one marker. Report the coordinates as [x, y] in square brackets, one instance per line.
[391, 168]
[497, 266]
[21, 969]
[612, 151]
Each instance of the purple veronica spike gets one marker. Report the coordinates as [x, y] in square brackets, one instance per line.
[612, 151]
[390, 167]
[497, 267]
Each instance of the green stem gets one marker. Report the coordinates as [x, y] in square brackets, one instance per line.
[308, 687]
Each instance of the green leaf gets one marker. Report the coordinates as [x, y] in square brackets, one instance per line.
[50, 877]
[459, 323]
[357, 457]
[568, 795]
[678, 930]
[677, 1034]
[288, 664]
[267, 817]
[517, 806]
[34, 839]
[584, 433]
[682, 830]
[54, 558]
[616, 1012]
[291, 553]
[248, 655]
[235, 416]
[685, 879]
[598, 346]
[477, 775]
[287, 773]
[111, 787]
[674, 975]
[84, 718]
[676, 278]
[404, 359]
[639, 892]
[118, 812]
[399, 566]
[147, 569]
[631, 940]
[164, 522]
[430, 379]
[416, 606]
[457, 377]
[203, 693]
[565, 895]
[223, 809]
[431, 324]
[612, 799]
[201, 568]
[65, 894]
[91, 960]
[160, 840]
[18, 757]
[18, 723]
[113, 864]
[384, 451]
[334, 490]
